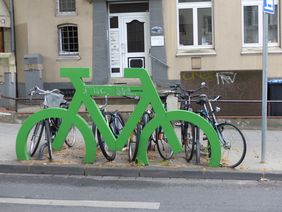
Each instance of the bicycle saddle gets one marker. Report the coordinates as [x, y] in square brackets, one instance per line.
[202, 99]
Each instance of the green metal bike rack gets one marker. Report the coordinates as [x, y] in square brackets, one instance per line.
[84, 94]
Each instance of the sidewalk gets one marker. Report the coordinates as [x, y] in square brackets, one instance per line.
[69, 161]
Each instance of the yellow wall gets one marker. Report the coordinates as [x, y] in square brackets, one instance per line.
[227, 41]
[36, 32]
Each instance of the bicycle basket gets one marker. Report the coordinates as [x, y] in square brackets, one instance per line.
[54, 99]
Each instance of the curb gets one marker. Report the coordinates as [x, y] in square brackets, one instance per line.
[151, 172]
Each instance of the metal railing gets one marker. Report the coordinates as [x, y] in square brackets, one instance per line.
[125, 101]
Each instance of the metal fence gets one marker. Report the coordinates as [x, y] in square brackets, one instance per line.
[231, 108]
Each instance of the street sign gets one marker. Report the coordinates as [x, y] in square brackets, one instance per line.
[268, 6]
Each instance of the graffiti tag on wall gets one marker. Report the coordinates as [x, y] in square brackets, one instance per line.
[204, 76]
[225, 77]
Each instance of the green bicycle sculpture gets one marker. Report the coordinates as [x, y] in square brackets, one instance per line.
[83, 95]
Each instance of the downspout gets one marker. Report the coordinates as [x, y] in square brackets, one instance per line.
[12, 26]
[13, 47]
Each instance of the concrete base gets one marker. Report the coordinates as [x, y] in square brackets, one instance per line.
[8, 90]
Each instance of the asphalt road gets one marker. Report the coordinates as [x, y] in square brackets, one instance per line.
[64, 193]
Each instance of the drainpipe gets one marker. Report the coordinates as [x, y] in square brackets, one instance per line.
[13, 48]
[12, 26]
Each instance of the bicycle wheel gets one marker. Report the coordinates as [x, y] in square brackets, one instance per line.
[134, 143]
[233, 145]
[108, 154]
[71, 137]
[117, 123]
[48, 144]
[145, 120]
[35, 138]
[188, 139]
[163, 147]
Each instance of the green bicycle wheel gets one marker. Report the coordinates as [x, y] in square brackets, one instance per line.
[22, 136]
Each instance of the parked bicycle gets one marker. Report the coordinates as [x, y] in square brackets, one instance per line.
[133, 143]
[157, 138]
[83, 95]
[163, 146]
[233, 143]
[46, 129]
[188, 130]
[146, 118]
[116, 123]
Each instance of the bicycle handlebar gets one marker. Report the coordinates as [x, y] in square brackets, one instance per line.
[103, 107]
[132, 97]
[203, 98]
[37, 90]
[184, 93]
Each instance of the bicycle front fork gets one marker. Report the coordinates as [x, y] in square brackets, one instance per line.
[48, 143]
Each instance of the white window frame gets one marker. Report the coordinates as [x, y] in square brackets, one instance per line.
[59, 13]
[194, 6]
[259, 3]
[66, 53]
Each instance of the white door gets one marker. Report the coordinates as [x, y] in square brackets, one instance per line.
[134, 42]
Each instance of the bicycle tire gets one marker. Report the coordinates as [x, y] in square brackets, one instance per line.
[78, 121]
[48, 144]
[42, 150]
[49, 138]
[163, 147]
[108, 154]
[180, 115]
[145, 120]
[54, 124]
[118, 123]
[152, 141]
[36, 138]
[188, 139]
[133, 143]
[197, 145]
[231, 133]
[71, 137]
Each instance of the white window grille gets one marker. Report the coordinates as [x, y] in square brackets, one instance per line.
[68, 39]
[66, 7]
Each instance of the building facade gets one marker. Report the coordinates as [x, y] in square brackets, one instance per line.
[51, 34]
[175, 40]
[7, 57]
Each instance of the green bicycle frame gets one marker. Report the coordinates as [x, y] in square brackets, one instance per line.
[148, 95]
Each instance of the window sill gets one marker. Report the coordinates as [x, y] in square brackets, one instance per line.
[195, 52]
[258, 50]
[62, 14]
[68, 57]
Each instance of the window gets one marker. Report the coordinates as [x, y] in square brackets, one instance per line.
[129, 7]
[253, 24]
[66, 7]
[195, 24]
[68, 39]
[135, 37]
